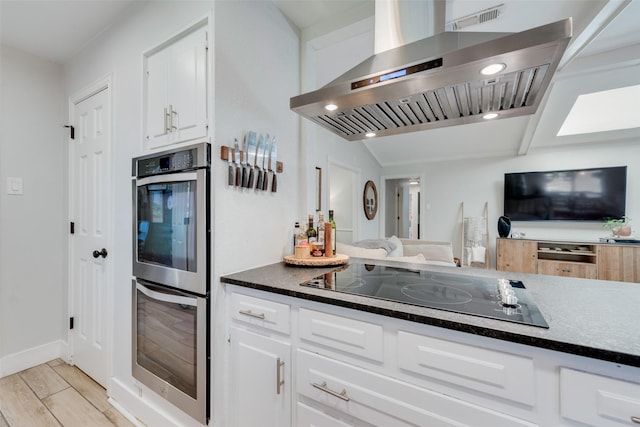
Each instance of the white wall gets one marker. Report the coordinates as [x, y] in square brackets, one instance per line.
[32, 226]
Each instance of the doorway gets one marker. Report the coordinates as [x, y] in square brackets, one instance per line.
[402, 208]
[90, 215]
[343, 197]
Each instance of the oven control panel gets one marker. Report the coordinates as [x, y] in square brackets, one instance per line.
[176, 161]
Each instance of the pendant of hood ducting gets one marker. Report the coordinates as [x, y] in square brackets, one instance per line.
[437, 82]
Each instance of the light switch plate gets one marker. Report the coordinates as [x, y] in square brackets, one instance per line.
[14, 186]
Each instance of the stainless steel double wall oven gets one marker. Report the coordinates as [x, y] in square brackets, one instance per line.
[171, 269]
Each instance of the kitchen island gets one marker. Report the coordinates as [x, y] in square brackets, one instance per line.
[583, 368]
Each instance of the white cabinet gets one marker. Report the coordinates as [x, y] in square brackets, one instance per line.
[598, 401]
[176, 90]
[259, 380]
[312, 417]
[497, 373]
[385, 401]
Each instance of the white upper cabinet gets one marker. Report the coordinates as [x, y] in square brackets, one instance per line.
[176, 90]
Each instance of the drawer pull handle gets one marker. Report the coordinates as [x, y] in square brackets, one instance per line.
[279, 379]
[635, 420]
[260, 316]
[342, 395]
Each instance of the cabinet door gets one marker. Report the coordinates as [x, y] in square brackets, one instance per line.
[519, 256]
[156, 114]
[620, 263]
[259, 380]
[312, 417]
[567, 269]
[187, 93]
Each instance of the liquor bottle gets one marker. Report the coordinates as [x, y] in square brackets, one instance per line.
[312, 235]
[333, 231]
[320, 232]
[296, 231]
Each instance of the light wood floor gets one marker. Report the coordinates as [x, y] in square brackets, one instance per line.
[55, 394]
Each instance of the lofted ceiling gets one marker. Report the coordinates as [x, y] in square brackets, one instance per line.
[604, 54]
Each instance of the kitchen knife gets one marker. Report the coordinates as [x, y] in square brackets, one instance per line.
[231, 160]
[236, 160]
[259, 160]
[249, 139]
[253, 148]
[273, 165]
[265, 172]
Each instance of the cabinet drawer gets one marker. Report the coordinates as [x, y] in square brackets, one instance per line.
[342, 333]
[500, 374]
[260, 312]
[598, 401]
[312, 417]
[384, 401]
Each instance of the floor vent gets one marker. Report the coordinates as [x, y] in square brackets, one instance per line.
[480, 17]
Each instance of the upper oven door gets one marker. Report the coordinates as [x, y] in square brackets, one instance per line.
[171, 233]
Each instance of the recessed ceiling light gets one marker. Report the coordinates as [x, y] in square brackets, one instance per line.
[370, 134]
[492, 69]
[331, 107]
[490, 116]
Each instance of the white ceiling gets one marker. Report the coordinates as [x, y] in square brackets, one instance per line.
[606, 44]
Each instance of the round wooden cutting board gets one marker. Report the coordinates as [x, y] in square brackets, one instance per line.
[338, 259]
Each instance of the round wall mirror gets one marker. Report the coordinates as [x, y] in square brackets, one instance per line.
[370, 200]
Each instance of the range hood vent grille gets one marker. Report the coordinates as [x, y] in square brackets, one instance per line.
[426, 109]
[475, 18]
[391, 93]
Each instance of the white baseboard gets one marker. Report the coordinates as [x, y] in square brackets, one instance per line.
[31, 357]
[150, 410]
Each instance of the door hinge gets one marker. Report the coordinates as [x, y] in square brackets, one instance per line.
[70, 322]
[72, 131]
[72, 227]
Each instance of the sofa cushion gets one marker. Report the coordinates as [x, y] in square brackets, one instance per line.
[396, 244]
[431, 252]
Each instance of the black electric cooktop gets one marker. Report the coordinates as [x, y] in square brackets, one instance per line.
[500, 299]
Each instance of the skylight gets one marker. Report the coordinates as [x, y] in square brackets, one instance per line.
[603, 111]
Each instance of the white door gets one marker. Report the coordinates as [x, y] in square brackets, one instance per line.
[90, 197]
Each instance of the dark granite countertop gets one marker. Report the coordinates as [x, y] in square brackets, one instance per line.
[591, 318]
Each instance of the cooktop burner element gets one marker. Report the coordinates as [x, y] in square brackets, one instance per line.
[500, 299]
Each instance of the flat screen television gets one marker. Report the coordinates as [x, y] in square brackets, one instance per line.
[566, 195]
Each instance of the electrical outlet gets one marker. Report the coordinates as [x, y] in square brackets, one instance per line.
[14, 186]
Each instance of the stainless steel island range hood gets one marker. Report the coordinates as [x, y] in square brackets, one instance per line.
[439, 81]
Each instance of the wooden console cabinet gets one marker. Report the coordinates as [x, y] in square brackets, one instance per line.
[603, 261]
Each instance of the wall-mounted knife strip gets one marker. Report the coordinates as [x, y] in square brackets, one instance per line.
[225, 153]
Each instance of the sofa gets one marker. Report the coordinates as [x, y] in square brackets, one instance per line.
[407, 250]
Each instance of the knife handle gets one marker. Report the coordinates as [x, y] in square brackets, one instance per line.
[231, 175]
[274, 182]
[260, 178]
[265, 182]
[250, 180]
[238, 177]
[245, 177]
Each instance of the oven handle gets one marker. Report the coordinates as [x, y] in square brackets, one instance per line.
[170, 298]
[172, 177]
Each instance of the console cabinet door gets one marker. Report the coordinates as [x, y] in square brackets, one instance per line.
[518, 256]
[617, 262]
[259, 380]
[567, 269]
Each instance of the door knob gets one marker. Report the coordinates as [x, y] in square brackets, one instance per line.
[103, 253]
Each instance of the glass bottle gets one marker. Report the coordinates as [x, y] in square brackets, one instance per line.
[320, 233]
[333, 230]
[312, 235]
[296, 232]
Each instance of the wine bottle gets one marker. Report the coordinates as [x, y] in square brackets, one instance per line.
[333, 231]
[312, 234]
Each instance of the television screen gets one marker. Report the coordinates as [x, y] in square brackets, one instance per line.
[573, 195]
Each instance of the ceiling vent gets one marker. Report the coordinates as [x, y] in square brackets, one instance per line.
[480, 17]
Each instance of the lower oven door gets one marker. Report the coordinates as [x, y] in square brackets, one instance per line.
[170, 346]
